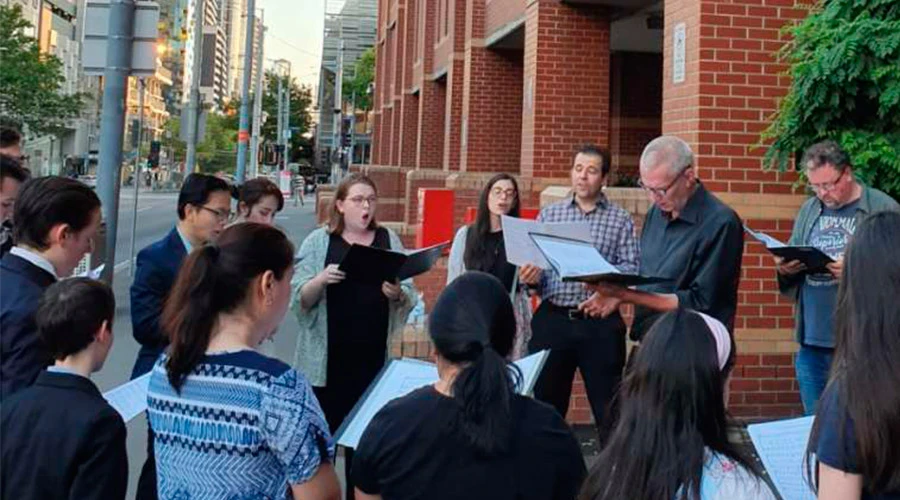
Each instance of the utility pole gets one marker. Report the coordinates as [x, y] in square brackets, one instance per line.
[287, 116]
[194, 99]
[280, 116]
[137, 171]
[352, 127]
[243, 133]
[112, 126]
[337, 117]
[257, 101]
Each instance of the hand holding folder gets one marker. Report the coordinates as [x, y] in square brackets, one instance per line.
[813, 258]
[576, 260]
[377, 265]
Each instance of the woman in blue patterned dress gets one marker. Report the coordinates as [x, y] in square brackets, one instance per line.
[228, 422]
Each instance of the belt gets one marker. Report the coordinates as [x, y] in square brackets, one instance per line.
[573, 313]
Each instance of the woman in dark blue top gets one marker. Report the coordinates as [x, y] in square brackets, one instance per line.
[856, 437]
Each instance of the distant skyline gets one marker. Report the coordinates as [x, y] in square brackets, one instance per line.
[295, 29]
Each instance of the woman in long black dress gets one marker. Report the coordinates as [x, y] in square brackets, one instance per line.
[346, 325]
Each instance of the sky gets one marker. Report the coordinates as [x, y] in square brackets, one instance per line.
[295, 33]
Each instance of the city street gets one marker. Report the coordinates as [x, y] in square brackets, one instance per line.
[156, 216]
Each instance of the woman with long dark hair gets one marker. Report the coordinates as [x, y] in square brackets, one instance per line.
[469, 435]
[259, 200]
[856, 435]
[346, 325]
[671, 439]
[479, 247]
[227, 421]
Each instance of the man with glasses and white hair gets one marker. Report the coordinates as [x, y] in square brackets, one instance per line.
[689, 236]
[826, 221]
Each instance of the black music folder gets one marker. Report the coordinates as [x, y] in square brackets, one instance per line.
[813, 258]
[377, 265]
[576, 260]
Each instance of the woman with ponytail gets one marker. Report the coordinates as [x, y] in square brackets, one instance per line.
[470, 435]
[229, 422]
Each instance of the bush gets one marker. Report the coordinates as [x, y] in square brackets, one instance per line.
[845, 69]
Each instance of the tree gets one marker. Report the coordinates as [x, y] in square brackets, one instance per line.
[845, 69]
[301, 100]
[31, 82]
[363, 74]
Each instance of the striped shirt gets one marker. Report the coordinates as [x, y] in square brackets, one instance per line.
[243, 426]
[612, 230]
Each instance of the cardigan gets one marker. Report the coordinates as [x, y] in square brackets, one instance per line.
[311, 354]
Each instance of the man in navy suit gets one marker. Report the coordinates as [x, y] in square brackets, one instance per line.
[57, 219]
[61, 439]
[204, 207]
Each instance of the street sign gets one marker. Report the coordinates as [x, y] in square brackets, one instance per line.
[96, 38]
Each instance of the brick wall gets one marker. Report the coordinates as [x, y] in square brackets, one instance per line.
[566, 85]
[409, 130]
[453, 113]
[432, 117]
[499, 13]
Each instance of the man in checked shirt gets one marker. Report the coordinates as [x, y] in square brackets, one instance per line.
[596, 346]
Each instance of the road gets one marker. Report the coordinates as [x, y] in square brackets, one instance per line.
[156, 216]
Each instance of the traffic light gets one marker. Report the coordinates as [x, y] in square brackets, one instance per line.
[153, 158]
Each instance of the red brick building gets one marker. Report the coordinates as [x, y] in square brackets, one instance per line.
[467, 88]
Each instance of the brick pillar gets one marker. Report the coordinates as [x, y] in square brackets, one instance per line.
[375, 157]
[732, 83]
[566, 85]
[453, 114]
[492, 101]
[387, 135]
[396, 131]
[409, 130]
[432, 118]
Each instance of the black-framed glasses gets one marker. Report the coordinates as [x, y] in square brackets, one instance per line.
[221, 215]
[663, 191]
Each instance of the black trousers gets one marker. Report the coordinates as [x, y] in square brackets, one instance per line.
[594, 346]
[146, 487]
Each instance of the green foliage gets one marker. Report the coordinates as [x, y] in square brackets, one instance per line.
[301, 100]
[363, 74]
[845, 69]
[31, 82]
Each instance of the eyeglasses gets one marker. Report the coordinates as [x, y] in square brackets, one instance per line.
[509, 194]
[221, 215]
[826, 187]
[359, 200]
[663, 191]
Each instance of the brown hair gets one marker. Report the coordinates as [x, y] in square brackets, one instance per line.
[336, 218]
[216, 279]
[254, 190]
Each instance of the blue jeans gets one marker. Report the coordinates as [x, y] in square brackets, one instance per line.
[812, 365]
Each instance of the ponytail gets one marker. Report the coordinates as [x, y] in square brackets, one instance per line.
[484, 389]
[216, 279]
[190, 314]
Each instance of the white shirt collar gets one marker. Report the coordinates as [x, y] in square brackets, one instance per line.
[36, 259]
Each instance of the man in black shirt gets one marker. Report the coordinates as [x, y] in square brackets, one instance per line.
[689, 236]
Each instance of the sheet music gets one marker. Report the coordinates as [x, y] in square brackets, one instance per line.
[130, 398]
[521, 250]
[782, 447]
[573, 259]
[403, 376]
[93, 274]
[765, 239]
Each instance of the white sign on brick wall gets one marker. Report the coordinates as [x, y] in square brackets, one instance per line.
[678, 52]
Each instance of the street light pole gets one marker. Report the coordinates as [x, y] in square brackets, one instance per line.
[137, 170]
[243, 133]
[194, 99]
[112, 126]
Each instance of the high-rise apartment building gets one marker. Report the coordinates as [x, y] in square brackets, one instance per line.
[214, 55]
[235, 20]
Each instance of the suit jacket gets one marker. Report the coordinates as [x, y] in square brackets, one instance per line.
[155, 272]
[61, 439]
[23, 356]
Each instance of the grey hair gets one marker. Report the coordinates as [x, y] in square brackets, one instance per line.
[667, 150]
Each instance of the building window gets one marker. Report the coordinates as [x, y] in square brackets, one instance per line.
[446, 18]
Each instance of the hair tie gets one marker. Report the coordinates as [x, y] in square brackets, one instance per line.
[721, 336]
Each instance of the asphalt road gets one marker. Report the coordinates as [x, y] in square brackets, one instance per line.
[156, 215]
